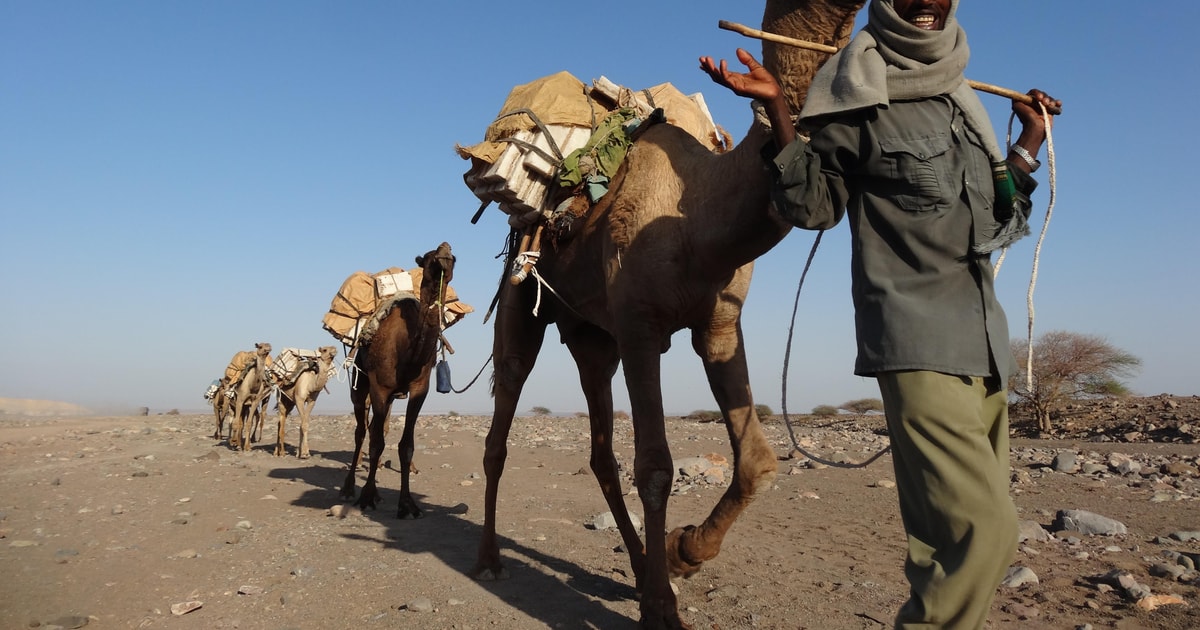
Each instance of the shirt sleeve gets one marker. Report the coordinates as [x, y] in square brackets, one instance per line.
[808, 177]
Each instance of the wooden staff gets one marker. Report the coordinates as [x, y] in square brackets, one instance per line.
[825, 48]
[530, 242]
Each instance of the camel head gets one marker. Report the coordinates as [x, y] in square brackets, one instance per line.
[828, 22]
[327, 353]
[438, 264]
[262, 349]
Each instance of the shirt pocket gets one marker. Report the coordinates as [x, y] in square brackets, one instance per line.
[916, 173]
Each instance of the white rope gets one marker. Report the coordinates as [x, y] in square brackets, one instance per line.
[1037, 249]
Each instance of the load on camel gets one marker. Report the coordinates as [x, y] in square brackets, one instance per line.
[248, 387]
[300, 376]
[393, 350]
[670, 245]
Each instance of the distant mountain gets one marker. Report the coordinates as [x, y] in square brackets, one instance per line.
[28, 407]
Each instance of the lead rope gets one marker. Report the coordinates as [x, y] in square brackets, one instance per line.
[787, 354]
[1037, 249]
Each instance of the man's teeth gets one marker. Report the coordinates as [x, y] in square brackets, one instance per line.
[923, 20]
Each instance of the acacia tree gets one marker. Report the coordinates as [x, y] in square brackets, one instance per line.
[1068, 366]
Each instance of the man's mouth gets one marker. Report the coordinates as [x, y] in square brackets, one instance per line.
[925, 21]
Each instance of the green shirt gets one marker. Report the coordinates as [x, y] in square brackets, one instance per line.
[917, 187]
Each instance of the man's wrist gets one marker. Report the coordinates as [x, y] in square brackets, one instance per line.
[1026, 157]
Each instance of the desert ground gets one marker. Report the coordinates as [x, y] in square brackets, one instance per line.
[149, 522]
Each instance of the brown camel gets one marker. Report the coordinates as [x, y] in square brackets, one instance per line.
[395, 361]
[222, 405]
[250, 399]
[302, 394]
[671, 246]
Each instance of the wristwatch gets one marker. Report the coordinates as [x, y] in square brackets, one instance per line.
[1024, 155]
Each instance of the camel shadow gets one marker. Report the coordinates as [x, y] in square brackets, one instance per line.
[553, 590]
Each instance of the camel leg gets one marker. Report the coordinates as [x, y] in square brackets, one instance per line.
[235, 429]
[283, 408]
[418, 390]
[381, 403]
[721, 349]
[358, 397]
[306, 408]
[652, 471]
[595, 354]
[515, 348]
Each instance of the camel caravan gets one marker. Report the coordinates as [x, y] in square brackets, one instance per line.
[631, 217]
[360, 310]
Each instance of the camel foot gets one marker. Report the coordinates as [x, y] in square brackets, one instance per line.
[662, 617]
[369, 498]
[278, 452]
[490, 574]
[408, 510]
[677, 565]
[304, 455]
[348, 490]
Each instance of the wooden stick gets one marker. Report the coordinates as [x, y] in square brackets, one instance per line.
[825, 48]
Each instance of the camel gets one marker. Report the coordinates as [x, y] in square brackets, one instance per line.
[396, 360]
[302, 394]
[671, 246]
[222, 406]
[251, 394]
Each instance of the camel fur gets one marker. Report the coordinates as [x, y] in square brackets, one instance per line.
[671, 246]
[302, 394]
[397, 361]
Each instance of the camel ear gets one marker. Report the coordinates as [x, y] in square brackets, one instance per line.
[421, 261]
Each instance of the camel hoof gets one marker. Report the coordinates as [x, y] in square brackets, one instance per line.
[491, 575]
[304, 456]
[677, 566]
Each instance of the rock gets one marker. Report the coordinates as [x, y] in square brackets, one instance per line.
[1023, 612]
[1150, 602]
[1019, 576]
[1032, 530]
[1185, 536]
[608, 521]
[1066, 462]
[420, 604]
[250, 590]
[1087, 523]
[183, 608]
[70, 622]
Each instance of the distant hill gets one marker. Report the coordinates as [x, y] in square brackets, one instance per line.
[28, 407]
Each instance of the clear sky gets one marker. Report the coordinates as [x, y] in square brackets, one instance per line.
[179, 180]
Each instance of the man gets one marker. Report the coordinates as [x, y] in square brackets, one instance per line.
[903, 147]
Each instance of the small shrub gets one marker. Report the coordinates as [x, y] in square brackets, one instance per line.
[763, 411]
[705, 415]
[863, 405]
[620, 415]
[540, 411]
[824, 411]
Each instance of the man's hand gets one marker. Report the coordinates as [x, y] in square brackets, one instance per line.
[1033, 126]
[757, 83]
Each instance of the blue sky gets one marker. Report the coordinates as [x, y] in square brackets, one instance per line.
[180, 180]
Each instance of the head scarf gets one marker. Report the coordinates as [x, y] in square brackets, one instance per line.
[890, 59]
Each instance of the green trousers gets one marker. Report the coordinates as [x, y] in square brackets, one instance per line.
[949, 438]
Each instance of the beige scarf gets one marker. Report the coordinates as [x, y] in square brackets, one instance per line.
[892, 60]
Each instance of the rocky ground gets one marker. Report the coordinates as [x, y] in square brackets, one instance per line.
[147, 522]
